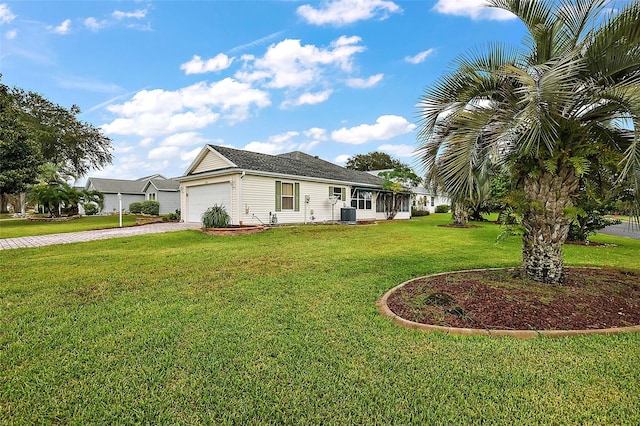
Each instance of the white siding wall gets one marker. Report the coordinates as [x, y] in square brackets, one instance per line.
[259, 194]
[211, 161]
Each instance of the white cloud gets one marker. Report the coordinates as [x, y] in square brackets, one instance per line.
[265, 148]
[308, 99]
[344, 12]
[365, 83]
[189, 156]
[386, 127]
[164, 153]
[11, 34]
[420, 57]
[137, 14]
[184, 139]
[284, 138]
[308, 146]
[148, 124]
[62, 29]
[130, 167]
[197, 66]
[402, 150]
[289, 64]
[6, 15]
[146, 142]
[474, 9]
[93, 24]
[341, 159]
[171, 153]
[316, 133]
[155, 101]
[285, 142]
[160, 112]
[122, 149]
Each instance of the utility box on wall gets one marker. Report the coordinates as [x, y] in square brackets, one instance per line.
[348, 215]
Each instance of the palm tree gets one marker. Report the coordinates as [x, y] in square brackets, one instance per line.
[549, 110]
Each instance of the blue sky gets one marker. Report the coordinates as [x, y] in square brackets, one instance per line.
[162, 78]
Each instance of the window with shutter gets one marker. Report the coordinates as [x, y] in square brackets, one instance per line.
[278, 196]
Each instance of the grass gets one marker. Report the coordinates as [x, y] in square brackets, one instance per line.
[282, 327]
[12, 228]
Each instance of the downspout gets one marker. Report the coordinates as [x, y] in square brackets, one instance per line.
[240, 198]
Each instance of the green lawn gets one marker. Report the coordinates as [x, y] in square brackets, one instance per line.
[11, 228]
[282, 327]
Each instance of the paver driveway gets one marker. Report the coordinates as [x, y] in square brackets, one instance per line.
[99, 234]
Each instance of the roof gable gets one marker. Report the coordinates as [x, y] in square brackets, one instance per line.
[162, 185]
[208, 160]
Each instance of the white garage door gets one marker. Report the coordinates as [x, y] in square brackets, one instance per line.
[200, 198]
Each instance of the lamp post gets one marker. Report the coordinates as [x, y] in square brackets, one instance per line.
[120, 207]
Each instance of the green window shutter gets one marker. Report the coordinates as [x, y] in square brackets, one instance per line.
[330, 191]
[278, 196]
[296, 197]
[344, 194]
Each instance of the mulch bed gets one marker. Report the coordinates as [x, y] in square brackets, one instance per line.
[505, 299]
[235, 230]
[52, 219]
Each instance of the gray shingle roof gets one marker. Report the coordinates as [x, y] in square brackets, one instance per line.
[113, 186]
[297, 164]
[166, 184]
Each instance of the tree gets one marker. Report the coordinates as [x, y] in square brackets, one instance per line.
[60, 137]
[19, 154]
[548, 111]
[372, 161]
[399, 182]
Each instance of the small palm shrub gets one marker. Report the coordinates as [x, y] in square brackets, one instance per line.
[135, 207]
[215, 217]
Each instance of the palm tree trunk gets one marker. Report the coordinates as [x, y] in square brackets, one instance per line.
[460, 214]
[545, 224]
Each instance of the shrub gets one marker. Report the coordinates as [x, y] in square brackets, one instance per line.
[150, 207]
[442, 208]
[135, 207]
[215, 217]
[171, 216]
[418, 212]
[90, 209]
[586, 225]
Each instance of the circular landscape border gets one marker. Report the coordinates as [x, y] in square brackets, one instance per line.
[518, 334]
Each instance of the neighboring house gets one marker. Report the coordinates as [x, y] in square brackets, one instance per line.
[427, 199]
[422, 198]
[154, 187]
[294, 187]
[164, 191]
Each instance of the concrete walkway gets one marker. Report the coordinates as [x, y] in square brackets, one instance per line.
[99, 234]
